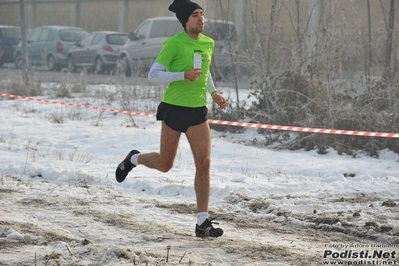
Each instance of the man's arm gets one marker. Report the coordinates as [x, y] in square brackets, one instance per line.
[159, 74]
[216, 96]
[211, 85]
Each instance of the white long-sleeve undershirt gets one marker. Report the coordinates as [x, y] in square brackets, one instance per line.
[159, 74]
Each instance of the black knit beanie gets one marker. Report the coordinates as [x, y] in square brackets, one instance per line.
[183, 10]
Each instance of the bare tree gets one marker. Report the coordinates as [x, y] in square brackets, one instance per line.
[23, 41]
[315, 9]
[368, 56]
[390, 30]
[231, 49]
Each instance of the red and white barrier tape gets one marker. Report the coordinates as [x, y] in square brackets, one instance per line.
[218, 122]
[308, 129]
[75, 105]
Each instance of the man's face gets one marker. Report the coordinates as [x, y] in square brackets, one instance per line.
[195, 22]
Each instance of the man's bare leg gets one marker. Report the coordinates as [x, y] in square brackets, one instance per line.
[163, 160]
[200, 142]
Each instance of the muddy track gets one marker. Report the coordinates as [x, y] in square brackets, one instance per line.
[121, 221]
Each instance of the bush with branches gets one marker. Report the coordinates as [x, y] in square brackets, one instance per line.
[330, 78]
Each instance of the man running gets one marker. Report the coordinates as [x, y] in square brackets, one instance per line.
[184, 62]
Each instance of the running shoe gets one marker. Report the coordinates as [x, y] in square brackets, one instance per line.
[206, 229]
[125, 167]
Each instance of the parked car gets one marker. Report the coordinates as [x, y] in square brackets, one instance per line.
[10, 36]
[145, 43]
[49, 45]
[99, 50]
[226, 45]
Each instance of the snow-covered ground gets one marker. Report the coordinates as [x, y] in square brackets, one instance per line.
[60, 203]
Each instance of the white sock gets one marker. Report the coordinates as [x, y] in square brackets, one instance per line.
[201, 217]
[134, 159]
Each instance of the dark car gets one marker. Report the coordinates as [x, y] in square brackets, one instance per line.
[49, 45]
[10, 36]
[99, 51]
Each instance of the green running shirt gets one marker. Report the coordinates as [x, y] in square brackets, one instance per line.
[177, 54]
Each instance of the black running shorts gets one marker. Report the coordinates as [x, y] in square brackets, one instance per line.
[179, 118]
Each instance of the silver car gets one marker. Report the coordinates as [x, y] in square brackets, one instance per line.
[49, 45]
[145, 43]
[98, 51]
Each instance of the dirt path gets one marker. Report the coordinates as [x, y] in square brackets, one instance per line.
[106, 227]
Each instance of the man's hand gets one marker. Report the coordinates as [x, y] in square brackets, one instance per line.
[219, 100]
[193, 74]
